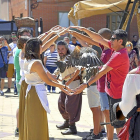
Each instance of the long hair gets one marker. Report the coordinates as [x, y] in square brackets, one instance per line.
[32, 48]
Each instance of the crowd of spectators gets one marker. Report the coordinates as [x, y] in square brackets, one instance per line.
[126, 52]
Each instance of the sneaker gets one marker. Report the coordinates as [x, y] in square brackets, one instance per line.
[102, 131]
[86, 137]
[96, 137]
[101, 135]
[53, 91]
[17, 132]
[49, 91]
[8, 91]
[105, 138]
[2, 93]
[93, 137]
[15, 93]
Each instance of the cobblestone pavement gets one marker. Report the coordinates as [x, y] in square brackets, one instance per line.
[9, 104]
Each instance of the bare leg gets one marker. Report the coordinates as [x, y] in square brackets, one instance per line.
[96, 119]
[17, 116]
[118, 130]
[102, 119]
[9, 82]
[110, 128]
[2, 84]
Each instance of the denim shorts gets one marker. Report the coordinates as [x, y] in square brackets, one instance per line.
[104, 101]
[2, 73]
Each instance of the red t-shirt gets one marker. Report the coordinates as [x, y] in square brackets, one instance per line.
[119, 61]
[105, 56]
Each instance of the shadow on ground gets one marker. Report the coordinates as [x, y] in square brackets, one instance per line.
[80, 134]
[64, 138]
[9, 96]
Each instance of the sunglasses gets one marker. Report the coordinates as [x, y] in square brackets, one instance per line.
[14, 36]
[113, 38]
[129, 45]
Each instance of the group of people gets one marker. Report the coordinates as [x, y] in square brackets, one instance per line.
[104, 89]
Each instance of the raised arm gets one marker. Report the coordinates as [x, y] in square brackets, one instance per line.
[42, 36]
[94, 36]
[6, 44]
[49, 42]
[82, 38]
[47, 37]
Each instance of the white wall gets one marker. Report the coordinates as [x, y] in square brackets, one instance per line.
[4, 10]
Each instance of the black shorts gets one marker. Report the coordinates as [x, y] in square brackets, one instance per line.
[116, 123]
[2, 73]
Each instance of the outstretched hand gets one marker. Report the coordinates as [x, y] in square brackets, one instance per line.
[64, 31]
[77, 27]
[70, 90]
[79, 89]
[56, 28]
[67, 92]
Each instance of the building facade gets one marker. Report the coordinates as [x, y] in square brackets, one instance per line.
[4, 9]
[54, 12]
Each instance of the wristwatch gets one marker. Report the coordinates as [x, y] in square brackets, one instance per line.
[88, 85]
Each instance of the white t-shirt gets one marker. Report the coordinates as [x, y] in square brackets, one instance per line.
[11, 58]
[71, 47]
[14, 51]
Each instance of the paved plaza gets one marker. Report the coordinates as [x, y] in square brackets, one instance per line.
[8, 106]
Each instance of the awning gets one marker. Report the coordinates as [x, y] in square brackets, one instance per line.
[6, 27]
[87, 8]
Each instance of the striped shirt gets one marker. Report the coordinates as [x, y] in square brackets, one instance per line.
[51, 58]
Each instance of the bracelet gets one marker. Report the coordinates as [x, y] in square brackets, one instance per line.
[88, 85]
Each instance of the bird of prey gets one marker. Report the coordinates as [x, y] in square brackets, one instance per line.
[84, 57]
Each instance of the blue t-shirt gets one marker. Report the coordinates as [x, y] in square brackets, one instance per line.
[4, 51]
[76, 44]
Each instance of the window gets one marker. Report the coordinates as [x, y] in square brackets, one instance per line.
[64, 20]
[114, 20]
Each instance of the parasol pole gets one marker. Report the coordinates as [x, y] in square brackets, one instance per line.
[131, 14]
[124, 14]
